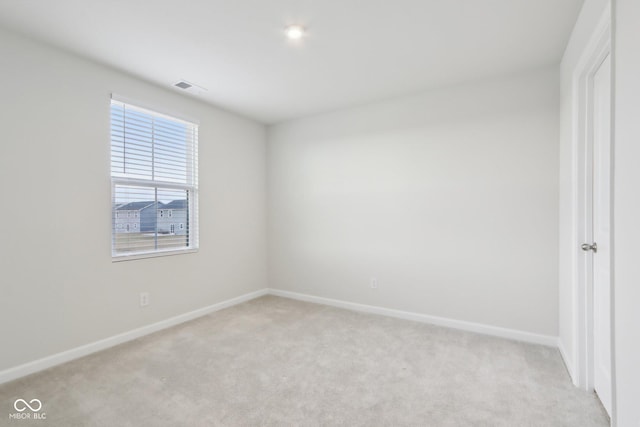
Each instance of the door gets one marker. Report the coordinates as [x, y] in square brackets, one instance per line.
[602, 232]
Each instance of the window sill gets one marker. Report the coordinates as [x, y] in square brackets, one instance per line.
[155, 254]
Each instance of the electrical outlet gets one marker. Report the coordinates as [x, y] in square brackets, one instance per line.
[144, 299]
[374, 283]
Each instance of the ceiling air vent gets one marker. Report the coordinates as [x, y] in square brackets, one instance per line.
[183, 85]
[190, 87]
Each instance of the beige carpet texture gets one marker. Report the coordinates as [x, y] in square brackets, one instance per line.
[278, 362]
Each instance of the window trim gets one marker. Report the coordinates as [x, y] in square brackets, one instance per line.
[155, 109]
[193, 189]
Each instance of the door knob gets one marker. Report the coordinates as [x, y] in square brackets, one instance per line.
[587, 247]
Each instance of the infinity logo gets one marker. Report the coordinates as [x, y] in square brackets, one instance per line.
[26, 405]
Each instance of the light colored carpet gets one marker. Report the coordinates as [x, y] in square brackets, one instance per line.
[278, 362]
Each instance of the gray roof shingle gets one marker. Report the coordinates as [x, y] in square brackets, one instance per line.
[136, 206]
[176, 204]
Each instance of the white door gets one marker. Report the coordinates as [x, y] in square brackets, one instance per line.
[602, 232]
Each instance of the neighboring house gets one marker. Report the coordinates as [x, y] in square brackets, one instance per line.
[136, 217]
[143, 217]
[172, 217]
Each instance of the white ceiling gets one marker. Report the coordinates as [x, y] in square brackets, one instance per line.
[356, 50]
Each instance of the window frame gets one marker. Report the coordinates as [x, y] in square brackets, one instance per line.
[190, 188]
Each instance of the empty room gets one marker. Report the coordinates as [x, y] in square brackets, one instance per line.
[320, 213]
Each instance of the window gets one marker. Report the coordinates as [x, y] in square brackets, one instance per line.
[154, 161]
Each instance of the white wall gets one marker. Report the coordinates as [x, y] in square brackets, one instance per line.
[627, 213]
[59, 288]
[569, 250]
[449, 198]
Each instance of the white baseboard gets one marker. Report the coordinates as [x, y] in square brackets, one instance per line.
[513, 334]
[568, 362]
[75, 353]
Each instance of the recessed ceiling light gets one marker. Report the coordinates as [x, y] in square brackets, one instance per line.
[295, 32]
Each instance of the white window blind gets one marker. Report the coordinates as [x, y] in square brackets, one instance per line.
[154, 171]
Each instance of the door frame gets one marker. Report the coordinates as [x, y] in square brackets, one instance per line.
[596, 51]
